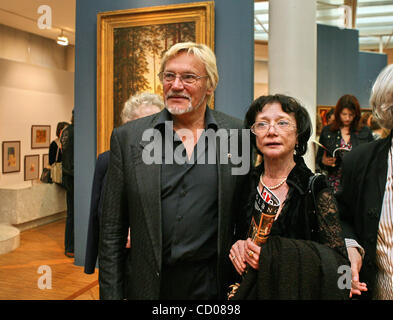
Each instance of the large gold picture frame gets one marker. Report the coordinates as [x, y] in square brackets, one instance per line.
[130, 44]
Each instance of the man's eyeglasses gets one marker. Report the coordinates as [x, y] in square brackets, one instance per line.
[185, 78]
[262, 127]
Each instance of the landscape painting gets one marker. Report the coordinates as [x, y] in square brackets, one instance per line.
[137, 59]
[130, 45]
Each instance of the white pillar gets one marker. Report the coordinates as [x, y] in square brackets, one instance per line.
[293, 56]
[380, 44]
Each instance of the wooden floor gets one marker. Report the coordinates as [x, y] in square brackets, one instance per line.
[20, 278]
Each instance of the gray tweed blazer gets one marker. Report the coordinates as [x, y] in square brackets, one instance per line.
[132, 198]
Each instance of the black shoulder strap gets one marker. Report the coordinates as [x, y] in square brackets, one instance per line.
[316, 183]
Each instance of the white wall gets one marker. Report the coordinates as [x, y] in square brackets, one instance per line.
[26, 47]
[30, 93]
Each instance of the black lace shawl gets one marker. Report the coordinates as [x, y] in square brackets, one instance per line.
[295, 220]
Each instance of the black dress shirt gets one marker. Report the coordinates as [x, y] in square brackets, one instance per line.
[189, 200]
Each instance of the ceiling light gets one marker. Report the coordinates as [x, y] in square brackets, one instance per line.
[62, 39]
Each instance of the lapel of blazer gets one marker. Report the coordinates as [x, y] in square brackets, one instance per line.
[224, 183]
[382, 167]
[148, 179]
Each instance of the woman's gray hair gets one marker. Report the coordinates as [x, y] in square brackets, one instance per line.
[136, 102]
[381, 99]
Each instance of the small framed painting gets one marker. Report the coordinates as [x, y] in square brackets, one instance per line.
[32, 167]
[40, 137]
[11, 156]
[45, 161]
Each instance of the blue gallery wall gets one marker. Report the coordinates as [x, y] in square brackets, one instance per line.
[342, 68]
[234, 47]
[370, 65]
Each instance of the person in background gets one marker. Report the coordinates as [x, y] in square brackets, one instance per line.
[55, 145]
[344, 132]
[137, 106]
[67, 148]
[365, 119]
[365, 200]
[378, 131]
[330, 116]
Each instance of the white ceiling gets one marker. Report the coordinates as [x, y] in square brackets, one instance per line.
[374, 18]
[24, 15]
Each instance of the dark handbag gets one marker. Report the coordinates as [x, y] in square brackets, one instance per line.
[45, 176]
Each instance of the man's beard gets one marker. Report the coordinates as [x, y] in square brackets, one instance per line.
[179, 111]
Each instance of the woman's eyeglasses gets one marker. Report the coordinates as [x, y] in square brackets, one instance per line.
[262, 127]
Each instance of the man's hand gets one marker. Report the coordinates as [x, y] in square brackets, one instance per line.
[128, 244]
[356, 264]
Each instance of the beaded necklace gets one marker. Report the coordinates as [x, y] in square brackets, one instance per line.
[272, 187]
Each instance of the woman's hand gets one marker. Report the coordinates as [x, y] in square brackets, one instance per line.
[242, 252]
[252, 254]
[236, 254]
[328, 161]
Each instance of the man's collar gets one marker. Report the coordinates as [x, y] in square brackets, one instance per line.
[164, 116]
[210, 122]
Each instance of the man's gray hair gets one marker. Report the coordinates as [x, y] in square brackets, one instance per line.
[381, 99]
[136, 102]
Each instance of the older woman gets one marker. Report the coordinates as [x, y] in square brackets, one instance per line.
[366, 197]
[344, 132]
[281, 128]
[137, 106]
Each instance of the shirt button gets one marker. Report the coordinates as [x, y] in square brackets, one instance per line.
[183, 193]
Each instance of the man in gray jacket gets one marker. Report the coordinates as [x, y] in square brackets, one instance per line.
[173, 179]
